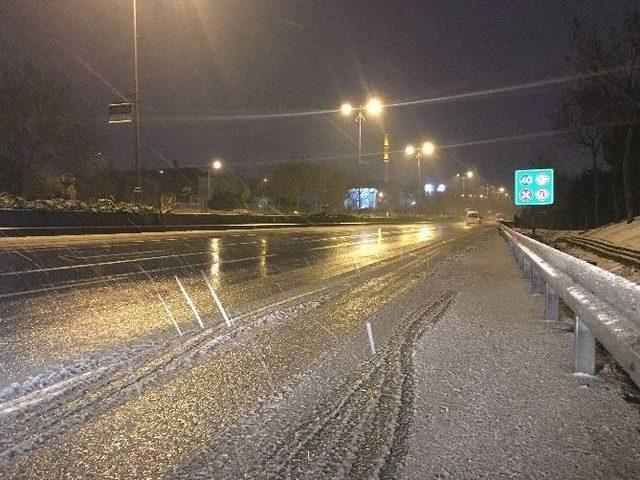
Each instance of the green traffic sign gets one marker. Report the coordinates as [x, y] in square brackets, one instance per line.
[534, 187]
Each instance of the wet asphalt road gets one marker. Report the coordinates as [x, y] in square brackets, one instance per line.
[64, 299]
[170, 387]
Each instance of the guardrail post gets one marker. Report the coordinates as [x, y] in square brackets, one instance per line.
[527, 267]
[537, 284]
[552, 305]
[584, 349]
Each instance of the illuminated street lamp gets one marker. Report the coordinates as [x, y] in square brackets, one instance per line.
[464, 177]
[425, 150]
[501, 189]
[215, 165]
[374, 108]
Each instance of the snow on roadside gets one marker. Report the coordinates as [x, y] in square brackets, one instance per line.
[625, 234]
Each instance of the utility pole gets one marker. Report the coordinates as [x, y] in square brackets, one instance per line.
[137, 189]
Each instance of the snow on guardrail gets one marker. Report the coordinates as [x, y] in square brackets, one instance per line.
[606, 305]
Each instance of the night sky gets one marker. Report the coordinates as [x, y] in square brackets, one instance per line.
[205, 65]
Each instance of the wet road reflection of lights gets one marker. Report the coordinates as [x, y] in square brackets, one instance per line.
[263, 271]
[426, 233]
[54, 316]
[204, 389]
[214, 269]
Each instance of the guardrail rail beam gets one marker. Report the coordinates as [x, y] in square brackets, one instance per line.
[606, 306]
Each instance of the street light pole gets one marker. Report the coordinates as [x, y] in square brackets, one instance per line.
[359, 120]
[419, 159]
[215, 165]
[137, 189]
[373, 107]
[428, 149]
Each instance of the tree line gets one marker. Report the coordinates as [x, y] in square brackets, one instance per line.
[600, 114]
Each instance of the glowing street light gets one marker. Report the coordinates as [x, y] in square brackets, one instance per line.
[426, 149]
[441, 188]
[346, 109]
[374, 108]
[265, 180]
[501, 189]
[464, 177]
[215, 165]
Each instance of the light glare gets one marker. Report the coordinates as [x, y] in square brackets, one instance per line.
[409, 150]
[428, 148]
[346, 109]
[374, 107]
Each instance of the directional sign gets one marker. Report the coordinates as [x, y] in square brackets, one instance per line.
[534, 187]
[120, 113]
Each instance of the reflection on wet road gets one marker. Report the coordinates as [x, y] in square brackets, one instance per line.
[58, 302]
[297, 299]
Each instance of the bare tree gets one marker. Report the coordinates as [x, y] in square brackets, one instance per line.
[614, 67]
[583, 113]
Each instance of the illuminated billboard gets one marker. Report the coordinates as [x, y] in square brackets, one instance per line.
[361, 199]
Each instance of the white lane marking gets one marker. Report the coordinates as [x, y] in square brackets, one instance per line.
[189, 302]
[216, 299]
[370, 334]
[129, 260]
[342, 245]
[121, 254]
[112, 277]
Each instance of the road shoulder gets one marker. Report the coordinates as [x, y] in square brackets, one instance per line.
[495, 393]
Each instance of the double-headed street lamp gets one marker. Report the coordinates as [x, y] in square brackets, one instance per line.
[427, 149]
[374, 108]
[464, 177]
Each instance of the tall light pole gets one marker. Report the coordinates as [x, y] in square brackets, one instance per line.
[464, 177]
[137, 189]
[215, 165]
[373, 108]
[427, 149]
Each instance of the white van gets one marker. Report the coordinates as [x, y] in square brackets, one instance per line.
[473, 217]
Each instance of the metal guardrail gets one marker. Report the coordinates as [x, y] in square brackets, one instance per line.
[606, 306]
[618, 253]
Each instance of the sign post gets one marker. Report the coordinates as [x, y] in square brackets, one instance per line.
[534, 187]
